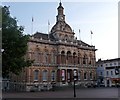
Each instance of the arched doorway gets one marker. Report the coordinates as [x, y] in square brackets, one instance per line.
[69, 76]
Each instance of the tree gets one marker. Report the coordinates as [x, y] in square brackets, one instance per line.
[0, 40]
[14, 43]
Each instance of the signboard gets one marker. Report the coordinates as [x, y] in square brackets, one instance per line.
[116, 71]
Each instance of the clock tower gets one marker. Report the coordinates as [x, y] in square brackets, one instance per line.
[60, 16]
[61, 30]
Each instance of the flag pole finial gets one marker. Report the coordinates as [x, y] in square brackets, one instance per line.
[60, 3]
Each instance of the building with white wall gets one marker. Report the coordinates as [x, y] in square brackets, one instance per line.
[108, 72]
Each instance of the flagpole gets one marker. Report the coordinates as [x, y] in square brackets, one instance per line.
[32, 26]
[79, 37]
[91, 37]
[48, 27]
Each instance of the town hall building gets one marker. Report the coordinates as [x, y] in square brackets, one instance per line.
[59, 58]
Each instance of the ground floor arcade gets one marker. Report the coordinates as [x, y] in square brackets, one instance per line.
[45, 77]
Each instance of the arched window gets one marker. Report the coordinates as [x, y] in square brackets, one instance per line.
[69, 58]
[36, 57]
[74, 58]
[63, 57]
[66, 37]
[46, 57]
[90, 75]
[45, 75]
[36, 75]
[53, 57]
[90, 58]
[85, 59]
[84, 62]
[53, 76]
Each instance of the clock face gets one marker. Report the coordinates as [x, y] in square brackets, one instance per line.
[61, 18]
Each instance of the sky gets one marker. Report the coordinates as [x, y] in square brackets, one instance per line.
[99, 17]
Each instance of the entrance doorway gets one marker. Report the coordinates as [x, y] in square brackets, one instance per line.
[108, 83]
[69, 75]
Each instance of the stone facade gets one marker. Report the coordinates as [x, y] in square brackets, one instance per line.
[59, 58]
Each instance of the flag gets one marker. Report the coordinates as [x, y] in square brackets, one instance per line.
[91, 32]
[32, 19]
[48, 22]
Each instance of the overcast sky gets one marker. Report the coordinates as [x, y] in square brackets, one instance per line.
[100, 17]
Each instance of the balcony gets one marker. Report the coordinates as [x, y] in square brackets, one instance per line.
[44, 64]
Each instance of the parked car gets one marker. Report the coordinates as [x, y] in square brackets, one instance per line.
[102, 85]
[93, 85]
[118, 85]
[34, 89]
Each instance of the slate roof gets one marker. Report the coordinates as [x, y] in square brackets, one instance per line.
[108, 60]
[39, 35]
[45, 36]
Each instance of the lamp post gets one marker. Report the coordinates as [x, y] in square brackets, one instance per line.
[74, 89]
[75, 78]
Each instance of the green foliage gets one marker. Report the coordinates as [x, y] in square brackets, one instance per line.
[0, 40]
[14, 44]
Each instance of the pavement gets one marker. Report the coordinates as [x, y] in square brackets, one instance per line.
[97, 93]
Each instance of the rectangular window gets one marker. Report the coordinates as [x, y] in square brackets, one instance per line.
[111, 72]
[44, 75]
[36, 72]
[101, 73]
[110, 64]
[53, 76]
[107, 73]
